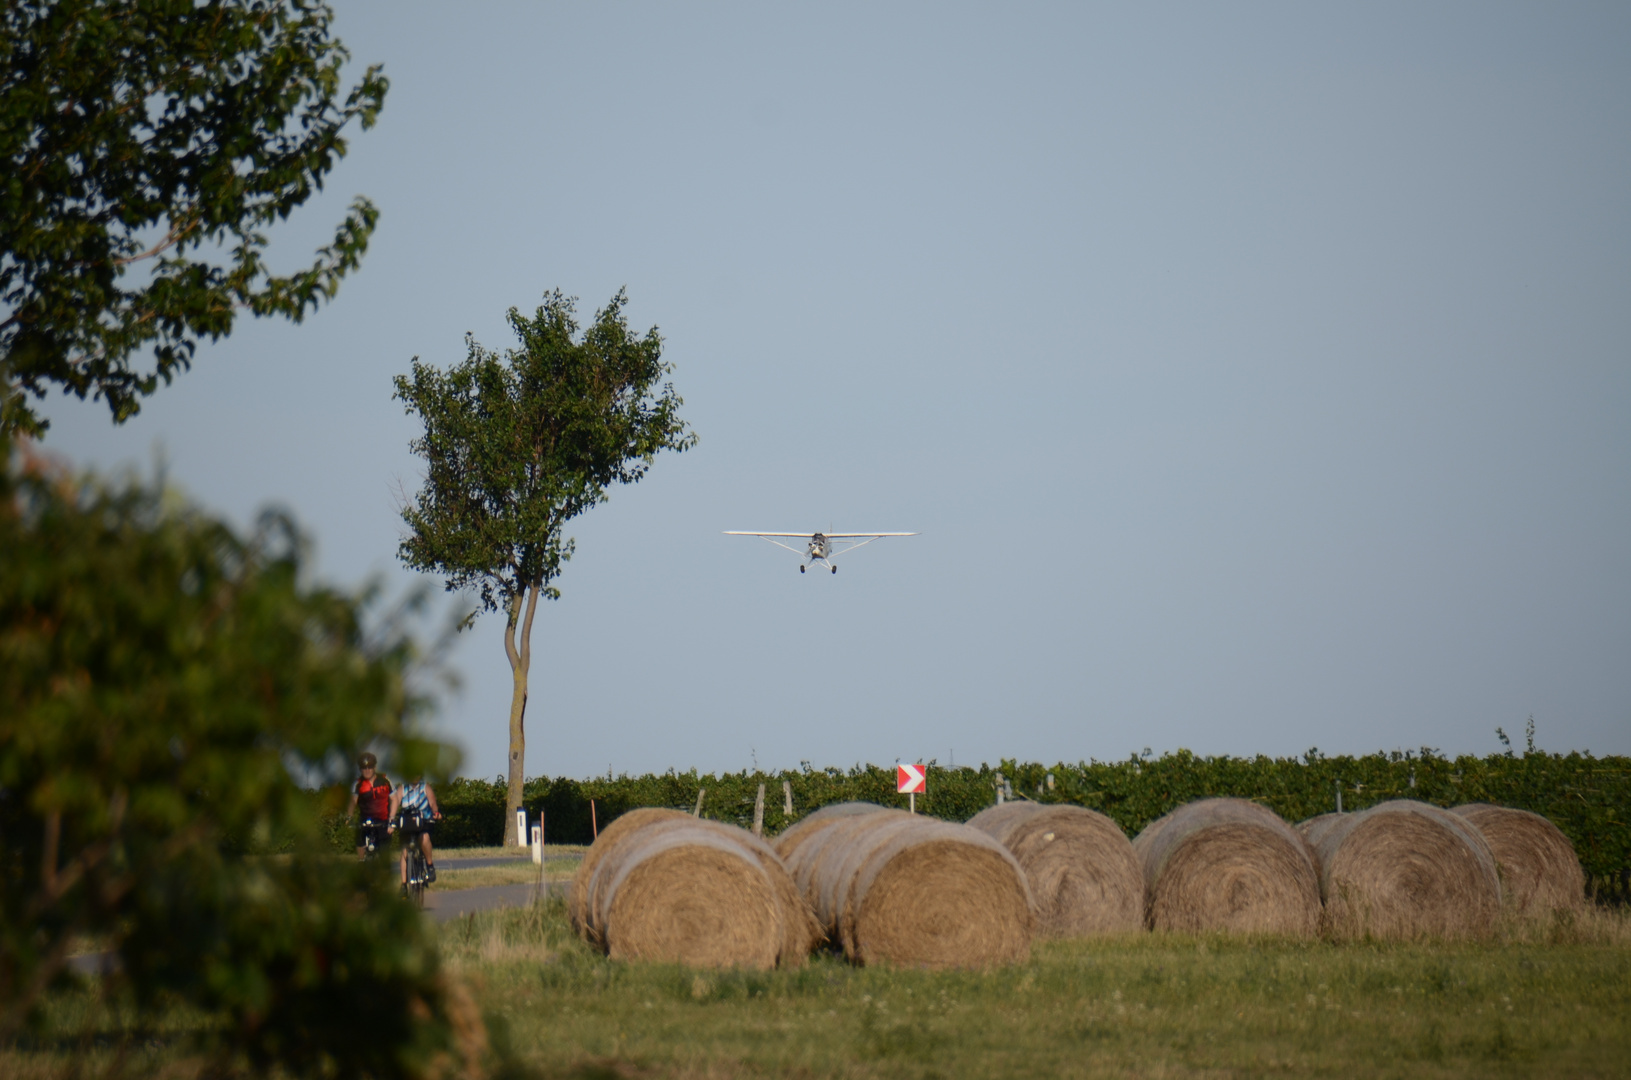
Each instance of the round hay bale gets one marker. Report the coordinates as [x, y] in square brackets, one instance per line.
[932, 896]
[685, 893]
[616, 831]
[1314, 828]
[1540, 872]
[834, 856]
[800, 932]
[995, 821]
[1083, 873]
[1403, 870]
[814, 822]
[893, 887]
[816, 832]
[1228, 864]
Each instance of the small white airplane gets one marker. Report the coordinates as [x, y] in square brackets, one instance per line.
[819, 547]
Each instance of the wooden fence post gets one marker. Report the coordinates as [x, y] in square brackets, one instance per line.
[759, 812]
[700, 793]
[787, 796]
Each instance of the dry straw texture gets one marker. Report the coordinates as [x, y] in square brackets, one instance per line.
[1540, 872]
[620, 829]
[818, 821]
[893, 887]
[1315, 828]
[1083, 874]
[684, 893]
[1403, 870]
[1231, 865]
[669, 886]
[800, 931]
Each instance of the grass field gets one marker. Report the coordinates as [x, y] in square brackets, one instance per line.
[560, 863]
[1151, 1005]
[520, 854]
[1535, 1004]
[451, 878]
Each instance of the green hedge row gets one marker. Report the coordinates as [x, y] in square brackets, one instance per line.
[1589, 798]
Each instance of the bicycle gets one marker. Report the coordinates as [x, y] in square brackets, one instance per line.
[410, 826]
[374, 834]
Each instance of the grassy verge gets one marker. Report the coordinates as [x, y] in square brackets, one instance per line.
[449, 878]
[520, 854]
[1552, 1003]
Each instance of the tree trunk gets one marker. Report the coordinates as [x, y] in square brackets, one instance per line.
[519, 654]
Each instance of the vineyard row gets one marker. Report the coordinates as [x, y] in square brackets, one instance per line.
[1588, 797]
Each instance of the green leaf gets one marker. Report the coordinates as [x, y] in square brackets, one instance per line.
[140, 138]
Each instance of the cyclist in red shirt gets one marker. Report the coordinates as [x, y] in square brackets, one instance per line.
[372, 794]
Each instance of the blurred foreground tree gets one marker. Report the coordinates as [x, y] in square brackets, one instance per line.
[160, 135]
[161, 679]
[515, 447]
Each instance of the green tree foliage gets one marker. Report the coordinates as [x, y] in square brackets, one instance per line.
[161, 681]
[162, 136]
[516, 446]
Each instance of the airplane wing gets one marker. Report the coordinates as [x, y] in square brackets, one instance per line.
[772, 537]
[851, 541]
[846, 541]
[829, 536]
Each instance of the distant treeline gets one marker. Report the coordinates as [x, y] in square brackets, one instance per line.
[1589, 798]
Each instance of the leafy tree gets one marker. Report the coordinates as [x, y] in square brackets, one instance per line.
[159, 678]
[160, 135]
[515, 447]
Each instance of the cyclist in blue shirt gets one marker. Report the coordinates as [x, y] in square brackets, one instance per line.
[413, 809]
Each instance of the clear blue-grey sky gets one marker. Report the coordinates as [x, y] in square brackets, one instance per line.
[1258, 375]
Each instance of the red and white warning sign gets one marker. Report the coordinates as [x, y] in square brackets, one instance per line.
[909, 779]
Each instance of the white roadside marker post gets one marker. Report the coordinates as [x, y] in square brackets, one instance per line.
[521, 828]
[538, 857]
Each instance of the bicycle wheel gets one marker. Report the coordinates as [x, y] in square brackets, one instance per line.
[416, 876]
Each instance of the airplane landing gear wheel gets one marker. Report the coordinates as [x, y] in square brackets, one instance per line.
[835, 569]
[801, 568]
